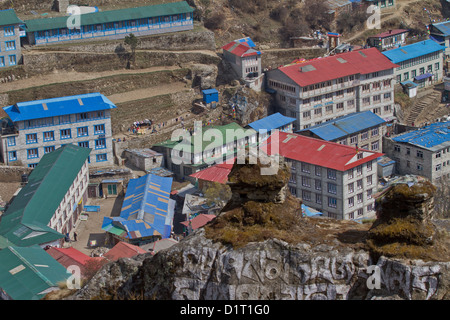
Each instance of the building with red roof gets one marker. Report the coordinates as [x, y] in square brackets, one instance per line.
[123, 250]
[323, 89]
[198, 221]
[72, 257]
[217, 173]
[332, 178]
[388, 39]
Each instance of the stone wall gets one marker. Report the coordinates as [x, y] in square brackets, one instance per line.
[13, 173]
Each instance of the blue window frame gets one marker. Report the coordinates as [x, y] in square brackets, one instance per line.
[12, 156]
[49, 136]
[49, 149]
[11, 141]
[2, 61]
[10, 45]
[83, 144]
[8, 31]
[101, 157]
[32, 165]
[99, 129]
[31, 138]
[12, 60]
[32, 153]
[64, 119]
[82, 132]
[100, 144]
[66, 134]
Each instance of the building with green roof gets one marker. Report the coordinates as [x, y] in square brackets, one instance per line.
[28, 273]
[49, 205]
[207, 146]
[10, 34]
[112, 24]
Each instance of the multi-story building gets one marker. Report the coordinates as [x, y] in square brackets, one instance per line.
[364, 130]
[421, 62]
[49, 206]
[440, 32]
[245, 60]
[388, 39]
[10, 34]
[113, 24]
[383, 5]
[266, 125]
[214, 144]
[42, 126]
[332, 178]
[424, 152]
[323, 89]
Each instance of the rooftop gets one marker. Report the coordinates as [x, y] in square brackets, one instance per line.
[432, 137]
[389, 33]
[123, 250]
[217, 173]
[346, 125]
[26, 220]
[274, 121]
[412, 51]
[165, 9]
[317, 152]
[53, 107]
[333, 67]
[9, 17]
[241, 47]
[443, 27]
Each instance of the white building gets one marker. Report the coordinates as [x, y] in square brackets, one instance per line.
[42, 126]
[332, 178]
[323, 89]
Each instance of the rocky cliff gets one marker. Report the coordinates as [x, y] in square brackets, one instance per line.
[259, 247]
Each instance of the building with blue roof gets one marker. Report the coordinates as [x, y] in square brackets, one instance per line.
[424, 151]
[275, 121]
[440, 32]
[420, 62]
[35, 128]
[363, 129]
[147, 212]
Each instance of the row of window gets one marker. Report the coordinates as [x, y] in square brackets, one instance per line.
[414, 72]
[8, 31]
[12, 61]
[9, 45]
[64, 119]
[33, 153]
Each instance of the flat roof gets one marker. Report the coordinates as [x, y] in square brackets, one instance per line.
[412, 51]
[274, 121]
[432, 137]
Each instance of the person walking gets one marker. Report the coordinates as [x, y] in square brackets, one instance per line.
[75, 236]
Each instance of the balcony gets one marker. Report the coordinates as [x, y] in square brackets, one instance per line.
[329, 89]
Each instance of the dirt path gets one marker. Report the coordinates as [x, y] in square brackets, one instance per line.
[401, 4]
[59, 77]
[147, 92]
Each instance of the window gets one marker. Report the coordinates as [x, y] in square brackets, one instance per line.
[101, 157]
[12, 60]
[49, 149]
[83, 144]
[350, 173]
[293, 191]
[369, 166]
[351, 187]
[99, 129]
[419, 154]
[369, 180]
[331, 173]
[369, 194]
[2, 61]
[438, 167]
[100, 144]
[12, 156]
[374, 132]
[332, 188]
[306, 182]
[32, 165]
[364, 136]
[82, 132]
[359, 184]
[359, 198]
[31, 138]
[293, 178]
[306, 195]
[318, 185]
[66, 134]
[419, 167]
[8, 31]
[11, 141]
[306, 168]
[49, 136]
[360, 212]
[64, 119]
[374, 146]
[353, 139]
[10, 45]
[32, 153]
[397, 148]
[318, 171]
[351, 202]
[359, 170]
[332, 202]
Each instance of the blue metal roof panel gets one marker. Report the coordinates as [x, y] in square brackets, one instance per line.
[210, 91]
[274, 121]
[427, 137]
[349, 124]
[45, 108]
[413, 51]
[443, 27]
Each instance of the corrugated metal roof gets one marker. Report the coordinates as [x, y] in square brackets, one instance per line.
[389, 33]
[9, 17]
[443, 27]
[25, 272]
[241, 47]
[349, 124]
[165, 9]
[317, 152]
[412, 51]
[274, 121]
[199, 221]
[38, 109]
[123, 250]
[25, 222]
[217, 173]
[341, 65]
[433, 137]
[147, 209]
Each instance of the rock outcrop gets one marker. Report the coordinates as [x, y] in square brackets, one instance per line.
[260, 247]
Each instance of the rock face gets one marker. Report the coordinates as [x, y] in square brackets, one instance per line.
[260, 247]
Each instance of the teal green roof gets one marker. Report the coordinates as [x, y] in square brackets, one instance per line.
[226, 132]
[26, 273]
[158, 10]
[25, 221]
[8, 17]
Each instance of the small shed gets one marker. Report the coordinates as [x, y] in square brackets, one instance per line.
[144, 159]
[386, 167]
[410, 88]
[210, 97]
[112, 187]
